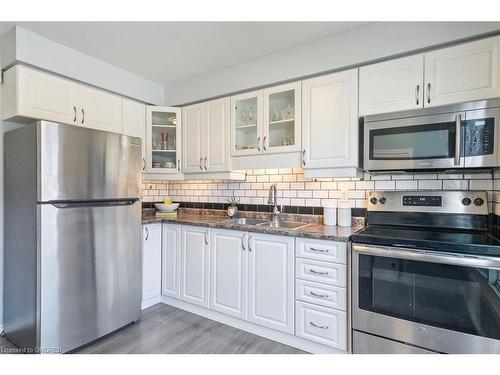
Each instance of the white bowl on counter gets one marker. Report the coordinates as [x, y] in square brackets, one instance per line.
[162, 207]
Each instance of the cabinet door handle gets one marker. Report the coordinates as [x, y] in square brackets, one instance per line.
[429, 93]
[74, 112]
[147, 233]
[317, 326]
[304, 157]
[318, 250]
[264, 147]
[201, 159]
[317, 272]
[458, 146]
[178, 165]
[143, 164]
[205, 162]
[318, 295]
[258, 143]
[250, 243]
[83, 116]
[417, 94]
[206, 240]
[243, 242]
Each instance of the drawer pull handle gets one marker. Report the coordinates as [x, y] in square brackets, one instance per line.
[318, 250]
[317, 272]
[318, 295]
[317, 326]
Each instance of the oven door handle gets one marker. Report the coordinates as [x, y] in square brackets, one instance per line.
[454, 259]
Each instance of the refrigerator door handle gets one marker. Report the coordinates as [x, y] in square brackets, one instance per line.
[82, 204]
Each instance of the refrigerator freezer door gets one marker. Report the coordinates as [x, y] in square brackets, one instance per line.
[91, 272]
[77, 163]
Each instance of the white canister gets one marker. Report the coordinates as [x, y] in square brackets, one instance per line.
[330, 215]
[345, 219]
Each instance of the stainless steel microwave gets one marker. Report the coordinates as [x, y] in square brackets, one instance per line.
[442, 138]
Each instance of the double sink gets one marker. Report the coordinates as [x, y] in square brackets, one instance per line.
[265, 223]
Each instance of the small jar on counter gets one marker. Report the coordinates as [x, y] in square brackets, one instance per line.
[345, 218]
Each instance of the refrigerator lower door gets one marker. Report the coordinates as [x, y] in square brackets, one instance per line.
[90, 271]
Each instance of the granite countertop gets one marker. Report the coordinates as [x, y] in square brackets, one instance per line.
[309, 230]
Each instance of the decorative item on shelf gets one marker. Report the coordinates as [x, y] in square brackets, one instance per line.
[287, 114]
[157, 164]
[243, 119]
[232, 210]
[164, 141]
[250, 114]
[172, 120]
[276, 114]
[156, 143]
[169, 164]
[284, 142]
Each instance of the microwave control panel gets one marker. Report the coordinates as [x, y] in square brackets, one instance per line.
[479, 137]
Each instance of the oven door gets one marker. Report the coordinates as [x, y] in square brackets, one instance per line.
[425, 142]
[442, 302]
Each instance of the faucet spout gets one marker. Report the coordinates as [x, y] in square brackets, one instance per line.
[273, 200]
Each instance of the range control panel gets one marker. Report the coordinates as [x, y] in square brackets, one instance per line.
[423, 200]
[463, 202]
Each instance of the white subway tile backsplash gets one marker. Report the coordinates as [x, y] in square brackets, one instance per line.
[455, 184]
[295, 190]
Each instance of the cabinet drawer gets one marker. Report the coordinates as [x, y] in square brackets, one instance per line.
[322, 325]
[320, 294]
[321, 272]
[330, 251]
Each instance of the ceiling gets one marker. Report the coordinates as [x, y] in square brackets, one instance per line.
[169, 52]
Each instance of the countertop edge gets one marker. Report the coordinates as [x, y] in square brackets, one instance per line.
[301, 232]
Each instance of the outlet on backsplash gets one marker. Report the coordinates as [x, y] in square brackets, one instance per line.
[344, 195]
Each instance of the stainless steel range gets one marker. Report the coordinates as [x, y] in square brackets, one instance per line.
[426, 275]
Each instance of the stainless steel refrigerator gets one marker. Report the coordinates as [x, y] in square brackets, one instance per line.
[72, 235]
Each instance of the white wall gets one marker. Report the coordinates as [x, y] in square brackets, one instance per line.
[23, 46]
[368, 43]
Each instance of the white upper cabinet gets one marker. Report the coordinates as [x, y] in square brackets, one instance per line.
[271, 281]
[206, 136]
[100, 110]
[390, 86]
[134, 123]
[163, 144]
[216, 114]
[330, 120]
[194, 269]
[282, 118]
[461, 73]
[228, 272]
[34, 94]
[30, 93]
[193, 138]
[246, 124]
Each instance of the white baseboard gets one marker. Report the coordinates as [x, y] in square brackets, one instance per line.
[150, 302]
[268, 333]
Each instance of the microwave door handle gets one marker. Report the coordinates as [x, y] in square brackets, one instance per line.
[458, 138]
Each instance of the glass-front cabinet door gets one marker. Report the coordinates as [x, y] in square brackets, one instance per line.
[282, 115]
[246, 124]
[163, 131]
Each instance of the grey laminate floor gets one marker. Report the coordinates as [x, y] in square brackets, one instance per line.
[166, 329]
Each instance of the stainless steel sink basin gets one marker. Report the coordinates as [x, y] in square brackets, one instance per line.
[245, 221]
[283, 224]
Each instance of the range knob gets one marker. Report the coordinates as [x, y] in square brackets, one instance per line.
[382, 200]
[373, 200]
[479, 201]
[466, 201]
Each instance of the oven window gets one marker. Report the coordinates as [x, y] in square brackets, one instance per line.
[452, 297]
[430, 141]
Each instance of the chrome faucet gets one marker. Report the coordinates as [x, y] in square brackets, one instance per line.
[273, 192]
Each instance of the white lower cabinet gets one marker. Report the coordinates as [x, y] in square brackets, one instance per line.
[228, 265]
[271, 281]
[195, 266]
[171, 240]
[322, 325]
[151, 261]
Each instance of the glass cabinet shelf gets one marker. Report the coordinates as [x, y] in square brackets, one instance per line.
[163, 143]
